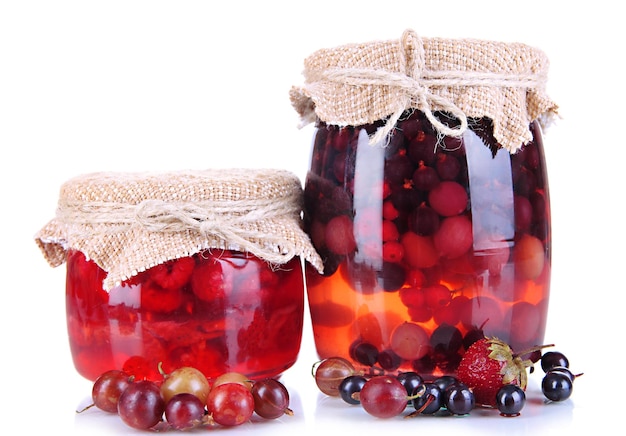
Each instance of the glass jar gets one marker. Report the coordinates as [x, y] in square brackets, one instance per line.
[427, 198]
[424, 247]
[190, 268]
[217, 311]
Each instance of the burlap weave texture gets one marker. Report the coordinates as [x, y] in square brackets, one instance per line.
[130, 222]
[358, 84]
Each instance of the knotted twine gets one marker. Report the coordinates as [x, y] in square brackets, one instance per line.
[358, 84]
[130, 222]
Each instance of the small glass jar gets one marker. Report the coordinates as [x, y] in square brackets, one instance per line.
[433, 234]
[200, 269]
[217, 311]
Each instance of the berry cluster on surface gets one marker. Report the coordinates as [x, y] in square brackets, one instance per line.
[186, 399]
[558, 382]
[490, 375]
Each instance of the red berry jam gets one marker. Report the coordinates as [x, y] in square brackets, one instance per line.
[428, 243]
[217, 311]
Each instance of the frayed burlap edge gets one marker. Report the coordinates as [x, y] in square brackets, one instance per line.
[127, 223]
[358, 84]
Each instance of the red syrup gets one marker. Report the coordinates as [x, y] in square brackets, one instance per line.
[217, 311]
[425, 242]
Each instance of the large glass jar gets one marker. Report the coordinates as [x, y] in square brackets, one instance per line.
[188, 268]
[426, 245]
[427, 199]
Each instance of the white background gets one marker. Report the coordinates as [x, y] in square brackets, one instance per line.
[133, 86]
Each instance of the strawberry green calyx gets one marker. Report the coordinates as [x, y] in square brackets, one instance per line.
[513, 370]
[490, 363]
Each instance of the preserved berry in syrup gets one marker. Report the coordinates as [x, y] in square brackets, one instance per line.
[217, 311]
[426, 240]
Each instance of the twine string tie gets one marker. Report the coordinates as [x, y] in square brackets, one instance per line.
[415, 83]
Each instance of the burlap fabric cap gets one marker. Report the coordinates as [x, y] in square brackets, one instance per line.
[129, 222]
[358, 84]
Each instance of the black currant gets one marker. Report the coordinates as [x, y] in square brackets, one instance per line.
[445, 381]
[552, 359]
[350, 386]
[510, 400]
[388, 360]
[563, 370]
[459, 399]
[411, 381]
[431, 393]
[557, 386]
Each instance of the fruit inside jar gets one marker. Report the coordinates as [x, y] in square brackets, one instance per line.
[217, 311]
[428, 242]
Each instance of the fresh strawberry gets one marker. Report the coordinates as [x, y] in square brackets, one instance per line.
[487, 365]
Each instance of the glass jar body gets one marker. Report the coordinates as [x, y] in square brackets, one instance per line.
[217, 311]
[428, 242]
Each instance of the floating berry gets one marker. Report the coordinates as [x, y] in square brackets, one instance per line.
[446, 339]
[425, 178]
[529, 256]
[393, 251]
[454, 236]
[448, 198]
[140, 368]
[173, 274]
[525, 321]
[364, 353]
[398, 168]
[388, 360]
[424, 221]
[448, 166]
[210, 281]
[523, 212]
[339, 236]
[410, 341]
[419, 251]
[160, 300]
[390, 212]
[436, 296]
[389, 231]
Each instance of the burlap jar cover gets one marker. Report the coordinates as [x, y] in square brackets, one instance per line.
[358, 84]
[130, 222]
